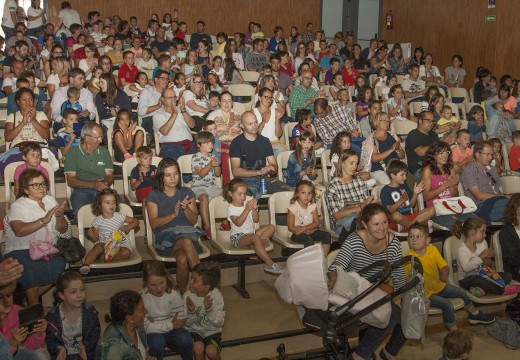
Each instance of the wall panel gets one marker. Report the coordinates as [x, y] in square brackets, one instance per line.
[220, 15]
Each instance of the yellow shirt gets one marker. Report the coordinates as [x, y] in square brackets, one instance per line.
[432, 262]
[443, 121]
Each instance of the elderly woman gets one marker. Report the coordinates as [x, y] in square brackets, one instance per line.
[196, 100]
[173, 213]
[125, 337]
[173, 125]
[369, 243]
[509, 237]
[34, 216]
[380, 147]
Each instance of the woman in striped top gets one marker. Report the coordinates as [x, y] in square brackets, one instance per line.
[372, 242]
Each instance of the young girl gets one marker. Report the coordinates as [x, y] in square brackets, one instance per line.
[476, 124]
[337, 83]
[363, 102]
[136, 48]
[204, 58]
[349, 73]
[125, 137]
[93, 83]
[214, 83]
[242, 214]
[381, 78]
[302, 217]
[164, 323]
[146, 63]
[179, 81]
[72, 325]
[397, 104]
[360, 82]
[473, 253]
[22, 344]
[141, 82]
[231, 73]
[391, 81]
[341, 142]
[302, 162]
[221, 41]
[190, 66]
[108, 221]
[218, 69]
[497, 154]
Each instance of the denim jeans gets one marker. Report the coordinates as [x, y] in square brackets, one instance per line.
[175, 151]
[177, 339]
[441, 301]
[499, 207]
[346, 222]
[147, 124]
[272, 185]
[26, 354]
[81, 197]
[373, 336]
[5, 352]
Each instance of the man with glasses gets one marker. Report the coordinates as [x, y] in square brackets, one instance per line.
[418, 141]
[150, 100]
[303, 95]
[77, 80]
[482, 184]
[256, 59]
[333, 119]
[79, 54]
[88, 167]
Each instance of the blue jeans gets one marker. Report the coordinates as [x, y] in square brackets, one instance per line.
[81, 197]
[147, 124]
[346, 222]
[5, 352]
[26, 354]
[499, 207]
[272, 185]
[175, 151]
[441, 301]
[448, 220]
[373, 336]
[177, 339]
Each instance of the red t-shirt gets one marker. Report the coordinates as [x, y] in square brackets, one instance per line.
[350, 79]
[127, 73]
[179, 34]
[514, 154]
[79, 54]
[288, 69]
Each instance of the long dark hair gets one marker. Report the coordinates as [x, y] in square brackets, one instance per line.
[122, 304]
[510, 214]
[109, 97]
[229, 68]
[158, 182]
[436, 149]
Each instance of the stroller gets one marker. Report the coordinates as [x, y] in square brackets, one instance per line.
[336, 321]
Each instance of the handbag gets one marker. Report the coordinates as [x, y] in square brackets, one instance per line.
[454, 206]
[506, 331]
[41, 249]
[414, 309]
[71, 249]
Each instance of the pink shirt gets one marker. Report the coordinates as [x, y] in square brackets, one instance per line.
[438, 181]
[32, 342]
[19, 170]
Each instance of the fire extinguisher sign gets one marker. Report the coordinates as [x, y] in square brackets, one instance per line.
[389, 18]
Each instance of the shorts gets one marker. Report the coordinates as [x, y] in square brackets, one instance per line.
[235, 239]
[212, 191]
[213, 339]
[411, 217]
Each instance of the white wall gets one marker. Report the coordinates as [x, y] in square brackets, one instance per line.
[368, 21]
[332, 17]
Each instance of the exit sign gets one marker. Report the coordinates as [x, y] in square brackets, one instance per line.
[490, 18]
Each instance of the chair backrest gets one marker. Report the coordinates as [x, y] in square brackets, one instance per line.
[127, 90]
[278, 204]
[325, 167]
[378, 93]
[185, 166]
[326, 89]
[250, 76]
[127, 167]
[325, 212]
[495, 245]
[371, 79]
[510, 184]
[77, 46]
[9, 180]
[463, 124]
[243, 90]
[405, 247]
[351, 90]
[110, 142]
[400, 79]
[459, 93]
[282, 159]
[239, 108]
[403, 127]
[451, 248]
[157, 144]
[505, 155]
[415, 107]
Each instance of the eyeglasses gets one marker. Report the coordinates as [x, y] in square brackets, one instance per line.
[443, 152]
[36, 186]
[98, 138]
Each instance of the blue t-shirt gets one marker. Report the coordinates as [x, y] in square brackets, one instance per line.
[62, 139]
[147, 178]
[165, 205]
[68, 105]
[382, 147]
[390, 195]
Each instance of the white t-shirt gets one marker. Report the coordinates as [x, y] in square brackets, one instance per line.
[248, 227]
[179, 131]
[10, 81]
[220, 74]
[53, 79]
[143, 65]
[34, 23]
[468, 261]
[83, 65]
[69, 17]
[302, 216]
[189, 95]
[269, 130]
[9, 6]
[28, 132]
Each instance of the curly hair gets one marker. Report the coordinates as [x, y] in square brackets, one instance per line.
[436, 149]
[510, 214]
[98, 200]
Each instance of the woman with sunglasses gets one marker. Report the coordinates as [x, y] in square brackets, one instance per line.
[34, 216]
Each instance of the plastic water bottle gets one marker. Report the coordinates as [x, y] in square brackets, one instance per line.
[263, 186]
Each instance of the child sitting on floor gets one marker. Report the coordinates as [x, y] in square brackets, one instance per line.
[457, 345]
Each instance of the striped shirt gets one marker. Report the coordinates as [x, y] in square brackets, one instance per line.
[340, 193]
[354, 248]
[107, 227]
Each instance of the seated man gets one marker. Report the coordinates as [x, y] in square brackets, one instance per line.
[256, 59]
[303, 95]
[418, 141]
[88, 167]
[413, 87]
[482, 184]
[252, 158]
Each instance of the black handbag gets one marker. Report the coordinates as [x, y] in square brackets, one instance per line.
[71, 249]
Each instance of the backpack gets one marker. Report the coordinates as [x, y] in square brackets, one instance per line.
[507, 331]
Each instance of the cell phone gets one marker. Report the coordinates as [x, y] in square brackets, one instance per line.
[29, 316]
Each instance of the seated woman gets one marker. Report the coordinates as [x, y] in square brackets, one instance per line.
[269, 120]
[173, 213]
[440, 181]
[34, 216]
[196, 100]
[429, 72]
[59, 76]
[116, 54]
[109, 101]
[369, 243]
[436, 105]
[397, 61]
[269, 81]
[509, 237]
[381, 147]
[125, 337]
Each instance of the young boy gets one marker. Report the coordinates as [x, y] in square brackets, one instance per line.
[304, 119]
[205, 168]
[210, 126]
[461, 154]
[400, 201]
[164, 63]
[365, 123]
[128, 71]
[213, 101]
[334, 69]
[457, 345]
[72, 101]
[514, 152]
[142, 176]
[205, 306]
[435, 274]
[32, 157]
[66, 138]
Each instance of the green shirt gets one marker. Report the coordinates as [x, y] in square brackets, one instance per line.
[86, 166]
[298, 97]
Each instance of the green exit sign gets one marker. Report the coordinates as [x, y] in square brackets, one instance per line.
[490, 18]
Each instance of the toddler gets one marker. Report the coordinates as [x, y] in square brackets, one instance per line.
[68, 136]
[257, 33]
[205, 168]
[142, 176]
[206, 314]
[381, 78]
[447, 118]
[304, 119]
[72, 101]
[32, 157]
[461, 153]
[213, 101]
[514, 152]
[109, 222]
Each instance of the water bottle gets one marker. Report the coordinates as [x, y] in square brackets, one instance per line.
[263, 186]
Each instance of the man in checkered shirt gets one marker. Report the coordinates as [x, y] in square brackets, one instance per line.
[330, 120]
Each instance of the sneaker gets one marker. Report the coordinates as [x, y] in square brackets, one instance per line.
[478, 292]
[84, 270]
[274, 269]
[480, 318]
